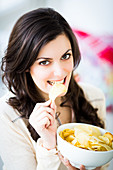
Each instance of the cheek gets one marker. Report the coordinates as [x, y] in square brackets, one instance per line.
[39, 77]
[69, 66]
[69, 71]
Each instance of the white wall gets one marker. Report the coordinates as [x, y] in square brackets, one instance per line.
[94, 16]
[10, 11]
[91, 15]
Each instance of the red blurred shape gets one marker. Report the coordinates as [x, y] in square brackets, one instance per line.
[107, 54]
[81, 34]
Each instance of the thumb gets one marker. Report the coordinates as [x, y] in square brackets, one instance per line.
[53, 105]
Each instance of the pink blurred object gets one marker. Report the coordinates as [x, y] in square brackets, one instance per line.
[102, 46]
[96, 66]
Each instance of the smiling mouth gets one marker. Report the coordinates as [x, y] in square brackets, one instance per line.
[57, 82]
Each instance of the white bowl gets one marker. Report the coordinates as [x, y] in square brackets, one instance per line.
[78, 156]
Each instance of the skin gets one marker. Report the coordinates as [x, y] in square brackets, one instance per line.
[54, 64]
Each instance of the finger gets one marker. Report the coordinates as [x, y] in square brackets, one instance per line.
[60, 156]
[98, 168]
[50, 111]
[44, 124]
[38, 105]
[82, 167]
[53, 105]
[45, 114]
[40, 111]
[68, 165]
[47, 103]
[66, 162]
[33, 120]
[45, 109]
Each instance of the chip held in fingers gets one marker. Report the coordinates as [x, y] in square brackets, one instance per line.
[57, 90]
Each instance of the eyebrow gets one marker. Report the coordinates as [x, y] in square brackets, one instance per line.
[67, 51]
[46, 58]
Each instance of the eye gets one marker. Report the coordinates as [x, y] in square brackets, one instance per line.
[66, 56]
[44, 63]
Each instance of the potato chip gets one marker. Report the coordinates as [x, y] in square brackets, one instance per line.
[70, 138]
[94, 131]
[110, 137]
[57, 90]
[104, 139]
[83, 139]
[67, 132]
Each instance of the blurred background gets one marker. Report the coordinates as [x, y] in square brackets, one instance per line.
[92, 23]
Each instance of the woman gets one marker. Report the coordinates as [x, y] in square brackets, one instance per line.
[42, 51]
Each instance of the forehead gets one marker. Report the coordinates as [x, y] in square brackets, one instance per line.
[58, 46]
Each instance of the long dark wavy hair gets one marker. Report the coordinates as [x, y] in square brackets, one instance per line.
[30, 33]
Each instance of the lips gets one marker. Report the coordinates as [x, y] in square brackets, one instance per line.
[57, 81]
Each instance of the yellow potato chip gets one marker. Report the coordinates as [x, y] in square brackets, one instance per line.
[57, 90]
[70, 138]
[83, 139]
[110, 137]
[66, 132]
[61, 135]
[104, 139]
[90, 130]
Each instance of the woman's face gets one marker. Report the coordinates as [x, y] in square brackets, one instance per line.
[54, 64]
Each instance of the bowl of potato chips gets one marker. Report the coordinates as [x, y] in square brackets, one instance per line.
[85, 144]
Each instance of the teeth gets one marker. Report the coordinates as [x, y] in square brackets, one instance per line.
[56, 82]
[59, 82]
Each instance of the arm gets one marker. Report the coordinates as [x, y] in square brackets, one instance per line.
[17, 148]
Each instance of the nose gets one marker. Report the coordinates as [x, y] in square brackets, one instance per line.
[58, 70]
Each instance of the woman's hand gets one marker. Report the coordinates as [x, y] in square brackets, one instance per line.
[67, 163]
[69, 166]
[42, 120]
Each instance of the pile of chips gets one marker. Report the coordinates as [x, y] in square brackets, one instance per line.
[88, 137]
